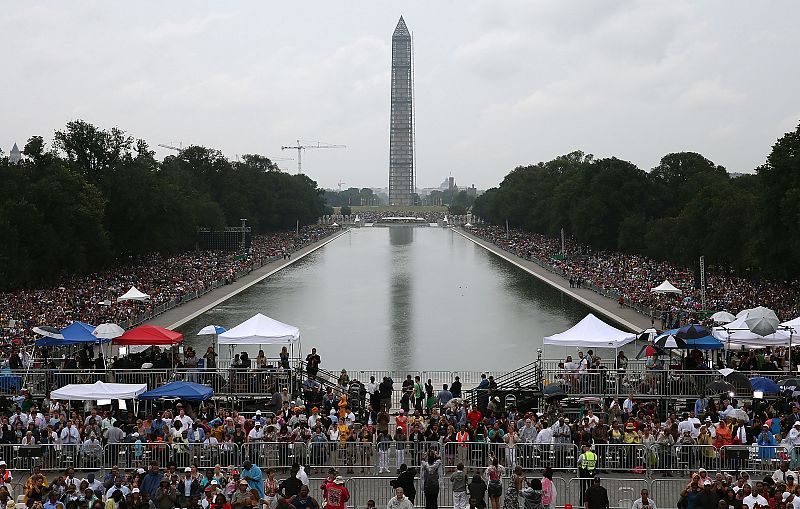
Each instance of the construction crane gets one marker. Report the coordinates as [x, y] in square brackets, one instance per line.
[176, 149]
[313, 144]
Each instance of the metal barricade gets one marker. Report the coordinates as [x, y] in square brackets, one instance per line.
[757, 460]
[561, 485]
[378, 489]
[55, 457]
[681, 459]
[666, 492]
[539, 456]
[621, 492]
[621, 458]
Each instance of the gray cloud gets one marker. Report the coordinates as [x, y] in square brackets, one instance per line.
[498, 83]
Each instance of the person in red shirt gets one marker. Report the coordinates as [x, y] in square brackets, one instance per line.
[336, 494]
[402, 421]
[474, 417]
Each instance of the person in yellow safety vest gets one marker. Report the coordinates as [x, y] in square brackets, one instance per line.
[587, 463]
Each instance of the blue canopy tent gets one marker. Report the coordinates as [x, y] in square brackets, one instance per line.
[188, 391]
[704, 343]
[77, 333]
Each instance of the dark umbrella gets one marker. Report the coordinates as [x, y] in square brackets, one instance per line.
[740, 381]
[647, 335]
[789, 382]
[648, 350]
[692, 331]
[554, 391]
[720, 387]
[670, 341]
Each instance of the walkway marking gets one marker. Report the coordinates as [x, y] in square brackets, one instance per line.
[504, 255]
[251, 283]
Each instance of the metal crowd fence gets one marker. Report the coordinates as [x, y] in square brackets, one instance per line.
[622, 491]
[225, 381]
[356, 457]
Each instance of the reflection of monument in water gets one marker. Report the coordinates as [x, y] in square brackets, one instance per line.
[401, 127]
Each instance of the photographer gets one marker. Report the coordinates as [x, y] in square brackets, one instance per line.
[645, 502]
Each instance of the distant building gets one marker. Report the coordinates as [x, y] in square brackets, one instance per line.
[402, 186]
[15, 156]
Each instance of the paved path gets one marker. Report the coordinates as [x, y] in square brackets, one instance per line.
[178, 316]
[627, 317]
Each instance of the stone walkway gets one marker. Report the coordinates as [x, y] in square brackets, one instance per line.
[178, 316]
[629, 318]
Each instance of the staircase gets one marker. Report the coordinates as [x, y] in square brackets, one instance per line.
[521, 387]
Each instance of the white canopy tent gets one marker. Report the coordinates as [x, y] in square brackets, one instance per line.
[737, 333]
[98, 390]
[260, 330]
[793, 327]
[591, 332]
[665, 287]
[134, 294]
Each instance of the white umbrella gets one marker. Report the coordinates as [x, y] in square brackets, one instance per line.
[723, 317]
[47, 331]
[211, 329]
[726, 371]
[762, 321]
[742, 313]
[108, 331]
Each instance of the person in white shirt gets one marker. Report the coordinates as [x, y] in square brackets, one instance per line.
[185, 419]
[313, 418]
[399, 501]
[545, 436]
[70, 435]
[627, 405]
[783, 472]
[728, 411]
[644, 502]
[256, 434]
[94, 483]
[593, 419]
[752, 498]
[118, 486]
[685, 425]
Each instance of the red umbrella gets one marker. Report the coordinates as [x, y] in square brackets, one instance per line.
[149, 335]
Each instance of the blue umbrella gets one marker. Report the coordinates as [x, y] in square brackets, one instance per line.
[211, 329]
[765, 385]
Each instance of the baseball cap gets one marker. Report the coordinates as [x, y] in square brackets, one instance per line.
[258, 412]
[707, 482]
[209, 489]
[187, 469]
[243, 482]
[139, 470]
[786, 495]
[701, 469]
[135, 490]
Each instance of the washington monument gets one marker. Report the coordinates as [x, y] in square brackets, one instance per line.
[401, 133]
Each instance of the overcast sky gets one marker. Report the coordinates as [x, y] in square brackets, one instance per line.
[498, 83]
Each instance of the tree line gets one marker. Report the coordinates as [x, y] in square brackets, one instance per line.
[97, 198]
[684, 208]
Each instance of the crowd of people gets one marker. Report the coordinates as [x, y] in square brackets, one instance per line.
[92, 298]
[184, 454]
[632, 276]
